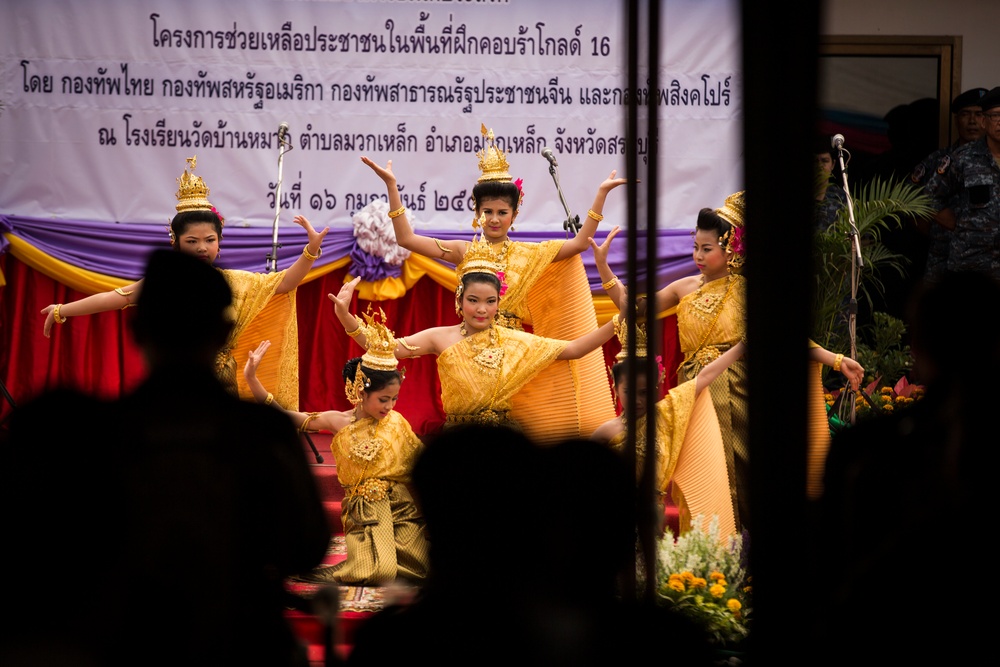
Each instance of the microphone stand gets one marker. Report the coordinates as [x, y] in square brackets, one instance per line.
[572, 221]
[312, 445]
[283, 147]
[856, 263]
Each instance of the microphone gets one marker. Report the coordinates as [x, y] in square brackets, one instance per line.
[282, 131]
[837, 141]
[547, 154]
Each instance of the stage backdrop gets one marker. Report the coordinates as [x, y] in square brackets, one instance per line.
[101, 103]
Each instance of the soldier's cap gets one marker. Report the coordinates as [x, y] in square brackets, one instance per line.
[990, 99]
[969, 98]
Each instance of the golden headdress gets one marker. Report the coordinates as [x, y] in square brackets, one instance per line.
[621, 330]
[192, 193]
[733, 211]
[479, 258]
[381, 343]
[492, 161]
[641, 346]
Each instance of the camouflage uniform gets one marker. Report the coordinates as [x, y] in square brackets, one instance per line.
[939, 237]
[829, 207]
[968, 182]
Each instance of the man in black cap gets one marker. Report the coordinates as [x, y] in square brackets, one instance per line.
[965, 187]
[965, 111]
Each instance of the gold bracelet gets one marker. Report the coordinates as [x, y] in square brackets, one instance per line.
[595, 216]
[357, 331]
[611, 283]
[398, 212]
[837, 360]
[269, 399]
[311, 257]
[55, 314]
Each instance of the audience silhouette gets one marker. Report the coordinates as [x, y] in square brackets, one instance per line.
[903, 523]
[550, 599]
[186, 509]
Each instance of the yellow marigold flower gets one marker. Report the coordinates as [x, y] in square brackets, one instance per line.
[734, 605]
[676, 584]
[716, 575]
[886, 391]
[698, 582]
[887, 408]
[828, 398]
[675, 577]
[717, 590]
[901, 399]
[688, 576]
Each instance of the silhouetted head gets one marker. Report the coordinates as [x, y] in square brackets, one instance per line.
[184, 310]
[941, 344]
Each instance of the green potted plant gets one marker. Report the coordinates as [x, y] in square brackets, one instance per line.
[879, 206]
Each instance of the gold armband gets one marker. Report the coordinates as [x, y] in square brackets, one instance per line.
[311, 257]
[126, 294]
[398, 212]
[611, 283]
[269, 399]
[304, 428]
[594, 216]
[56, 316]
[411, 348]
[441, 247]
[837, 361]
[357, 332]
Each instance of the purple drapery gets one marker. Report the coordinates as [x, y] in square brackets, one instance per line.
[120, 248]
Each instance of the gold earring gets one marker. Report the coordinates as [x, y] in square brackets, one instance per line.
[462, 330]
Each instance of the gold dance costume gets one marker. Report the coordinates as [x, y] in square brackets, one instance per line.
[255, 310]
[569, 398]
[711, 320]
[481, 374]
[383, 527]
[690, 453]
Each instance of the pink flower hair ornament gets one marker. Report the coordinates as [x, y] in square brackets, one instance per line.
[520, 197]
[503, 283]
[222, 220]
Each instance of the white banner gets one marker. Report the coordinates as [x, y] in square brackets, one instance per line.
[103, 100]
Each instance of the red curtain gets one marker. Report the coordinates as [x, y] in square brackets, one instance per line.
[96, 354]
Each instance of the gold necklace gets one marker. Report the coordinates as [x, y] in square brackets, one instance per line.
[368, 446]
[488, 353]
[707, 304]
[501, 257]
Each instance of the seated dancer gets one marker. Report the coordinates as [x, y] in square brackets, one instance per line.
[689, 448]
[196, 230]
[481, 365]
[375, 449]
[547, 289]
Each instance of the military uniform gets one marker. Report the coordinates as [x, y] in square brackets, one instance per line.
[939, 238]
[828, 208]
[968, 182]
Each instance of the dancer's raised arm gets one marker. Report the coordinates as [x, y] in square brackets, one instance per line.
[451, 251]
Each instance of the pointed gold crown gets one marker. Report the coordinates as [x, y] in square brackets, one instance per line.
[733, 210]
[492, 160]
[478, 258]
[621, 330]
[192, 193]
[381, 343]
